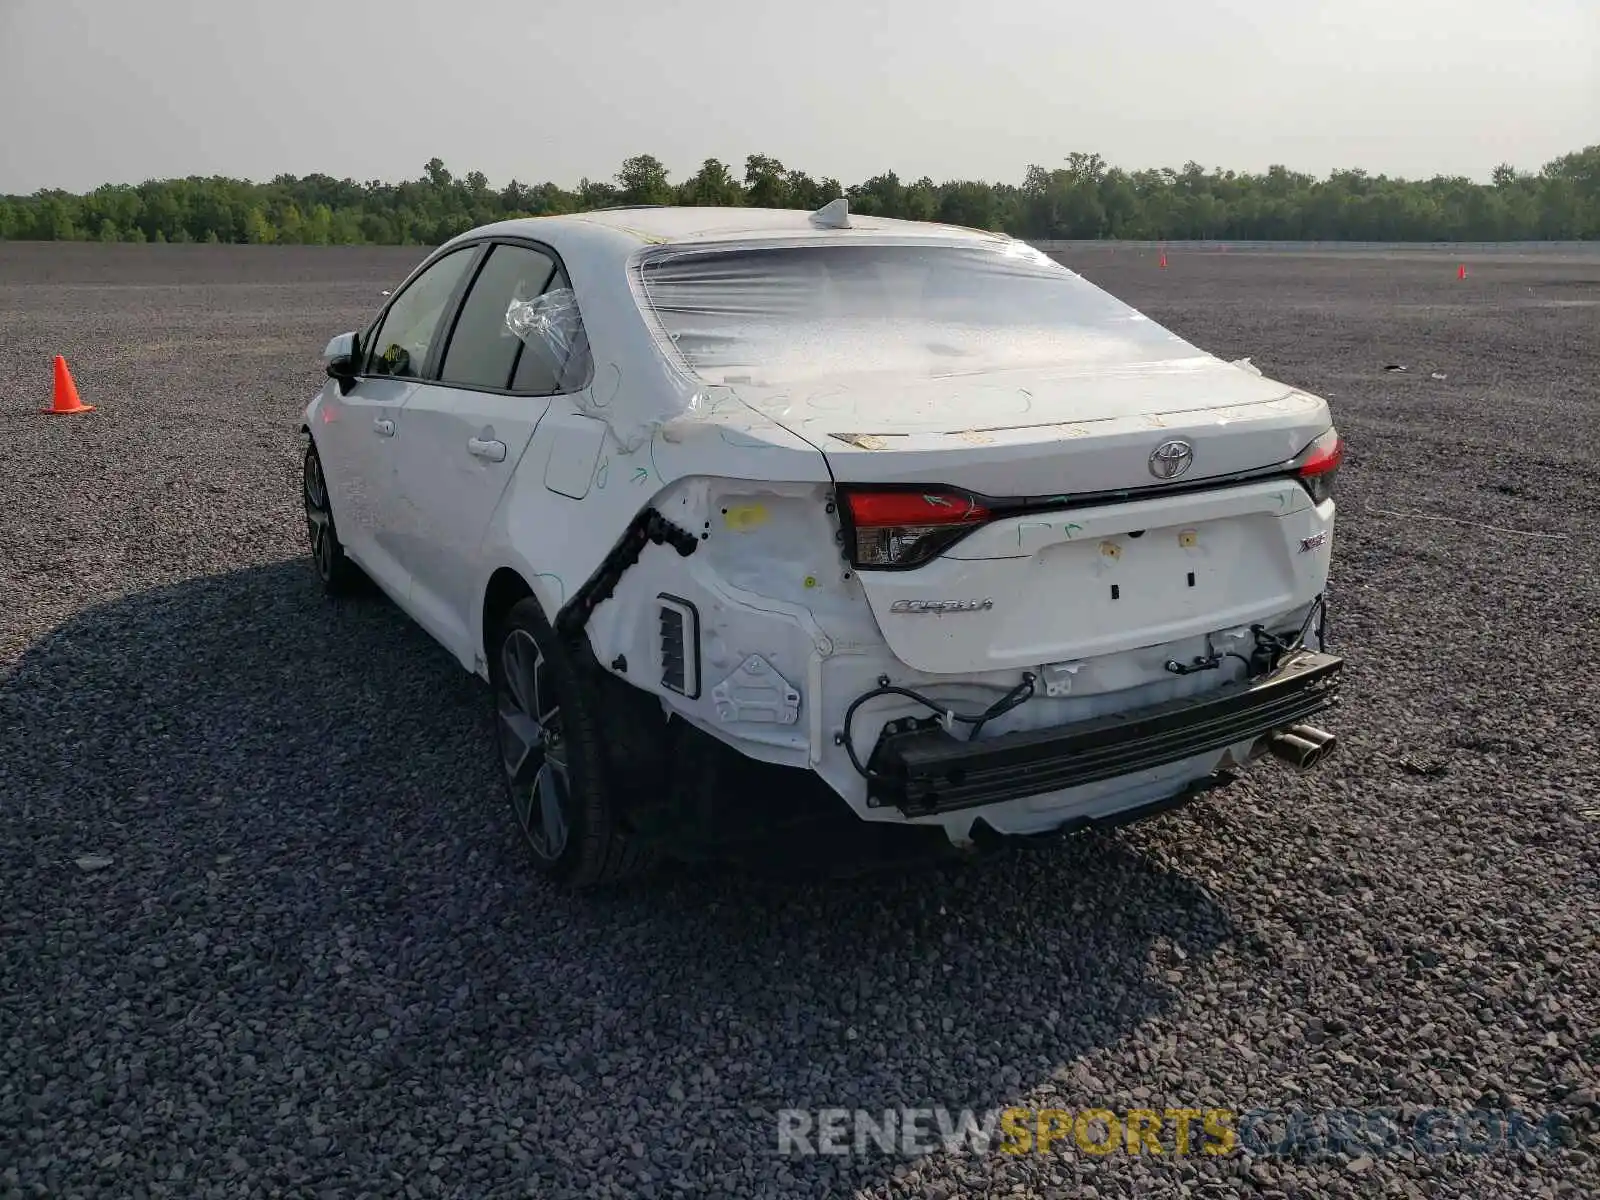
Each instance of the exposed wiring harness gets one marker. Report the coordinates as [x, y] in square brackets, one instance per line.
[1211, 661]
[1288, 646]
[949, 717]
[1270, 649]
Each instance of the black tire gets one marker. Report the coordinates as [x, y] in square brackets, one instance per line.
[551, 719]
[337, 574]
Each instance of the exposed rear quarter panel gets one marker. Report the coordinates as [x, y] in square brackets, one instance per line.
[556, 541]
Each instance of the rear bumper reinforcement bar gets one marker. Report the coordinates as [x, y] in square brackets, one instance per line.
[920, 769]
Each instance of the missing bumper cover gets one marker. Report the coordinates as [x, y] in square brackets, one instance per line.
[649, 526]
[924, 770]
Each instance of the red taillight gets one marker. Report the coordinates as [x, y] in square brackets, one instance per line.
[906, 528]
[914, 508]
[1319, 465]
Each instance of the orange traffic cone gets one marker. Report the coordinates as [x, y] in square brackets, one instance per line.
[1461, 270]
[66, 397]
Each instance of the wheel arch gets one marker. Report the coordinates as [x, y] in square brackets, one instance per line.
[508, 586]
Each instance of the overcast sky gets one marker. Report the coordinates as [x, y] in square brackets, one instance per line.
[111, 90]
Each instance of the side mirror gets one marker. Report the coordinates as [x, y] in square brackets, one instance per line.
[343, 355]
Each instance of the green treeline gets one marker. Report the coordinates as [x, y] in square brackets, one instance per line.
[1083, 199]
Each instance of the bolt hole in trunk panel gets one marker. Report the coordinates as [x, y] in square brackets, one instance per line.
[1075, 584]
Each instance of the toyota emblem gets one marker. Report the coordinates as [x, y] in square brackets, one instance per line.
[1171, 459]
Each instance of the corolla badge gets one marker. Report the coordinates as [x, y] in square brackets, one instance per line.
[940, 606]
[1171, 459]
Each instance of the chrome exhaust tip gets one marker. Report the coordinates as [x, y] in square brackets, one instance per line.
[1312, 734]
[1301, 746]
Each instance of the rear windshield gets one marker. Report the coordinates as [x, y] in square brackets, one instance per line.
[775, 315]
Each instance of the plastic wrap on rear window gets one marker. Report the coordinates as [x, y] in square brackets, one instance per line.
[782, 315]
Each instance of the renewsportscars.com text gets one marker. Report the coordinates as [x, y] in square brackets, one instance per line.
[1169, 1132]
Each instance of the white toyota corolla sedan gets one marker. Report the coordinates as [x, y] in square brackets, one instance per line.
[910, 507]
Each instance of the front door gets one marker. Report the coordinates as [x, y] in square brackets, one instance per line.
[353, 440]
[357, 434]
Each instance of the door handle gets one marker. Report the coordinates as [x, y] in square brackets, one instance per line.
[384, 427]
[491, 451]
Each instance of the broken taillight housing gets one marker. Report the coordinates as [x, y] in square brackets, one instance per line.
[1319, 465]
[904, 527]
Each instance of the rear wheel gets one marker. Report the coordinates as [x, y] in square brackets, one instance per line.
[339, 576]
[548, 722]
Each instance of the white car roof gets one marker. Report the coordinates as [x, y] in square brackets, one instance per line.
[620, 231]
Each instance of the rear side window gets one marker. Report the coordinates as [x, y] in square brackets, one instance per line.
[519, 328]
[783, 314]
[401, 343]
[555, 357]
[483, 349]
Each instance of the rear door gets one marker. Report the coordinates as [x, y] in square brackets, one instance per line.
[356, 435]
[464, 430]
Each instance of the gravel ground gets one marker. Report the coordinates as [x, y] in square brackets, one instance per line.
[266, 930]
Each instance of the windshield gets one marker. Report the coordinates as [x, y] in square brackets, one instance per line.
[775, 315]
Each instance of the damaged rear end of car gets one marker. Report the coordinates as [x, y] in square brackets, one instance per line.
[1131, 634]
[1073, 568]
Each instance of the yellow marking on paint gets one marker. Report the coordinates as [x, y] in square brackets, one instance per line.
[745, 517]
[973, 438]
[638, 233]
[1188, 538]
[811, 581]
[1111, 549]
[861, 441]
[643, 236]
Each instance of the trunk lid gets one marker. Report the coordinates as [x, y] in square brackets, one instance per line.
[1080, 581]
[1071, 586]
[1049, 432]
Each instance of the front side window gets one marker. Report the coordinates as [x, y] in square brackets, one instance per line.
[405, 335]
[782, 314]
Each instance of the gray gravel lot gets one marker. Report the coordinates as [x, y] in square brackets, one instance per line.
[310, 958]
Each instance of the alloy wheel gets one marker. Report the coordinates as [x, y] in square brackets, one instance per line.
[532, 750]
[319, 517]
